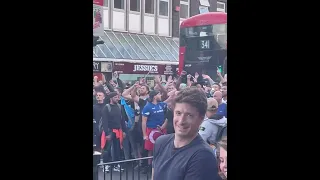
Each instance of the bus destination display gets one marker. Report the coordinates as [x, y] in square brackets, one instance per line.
[204, 44]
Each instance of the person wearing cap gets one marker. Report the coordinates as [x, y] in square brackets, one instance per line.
[212, 124]
[153, 120]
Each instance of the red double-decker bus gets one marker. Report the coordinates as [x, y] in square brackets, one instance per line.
[203, 43]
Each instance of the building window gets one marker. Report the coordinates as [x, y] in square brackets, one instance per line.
[118, 4]
[135, 5]
[221, 7]
[149, 6]
[163, 7]
[105, 3]
[184, 9]
[205, 3]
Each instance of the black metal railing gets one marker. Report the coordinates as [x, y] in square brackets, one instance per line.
[131, 170]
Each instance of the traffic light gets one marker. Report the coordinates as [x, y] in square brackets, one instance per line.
[96, 41]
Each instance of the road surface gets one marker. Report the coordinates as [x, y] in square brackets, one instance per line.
[116, 175]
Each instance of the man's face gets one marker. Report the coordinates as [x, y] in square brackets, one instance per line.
[158, 97]
[170, 88]
[218, 96]
[115, 99]
[216, 87]
[143, 90]
[224, 91]
[100, 96]
[186, 120]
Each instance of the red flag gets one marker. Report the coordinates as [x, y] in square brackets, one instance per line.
[103, 139]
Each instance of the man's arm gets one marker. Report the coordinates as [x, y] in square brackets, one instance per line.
[203, 166]
[162, 89]
[144, 127]
[134, 96]
[130, 94]
[120, 83]
[178, 82]
[145, 115]
[126, 93]
[110, 87]
[164, 125]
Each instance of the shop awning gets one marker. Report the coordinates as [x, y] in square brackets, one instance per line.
[121, 45]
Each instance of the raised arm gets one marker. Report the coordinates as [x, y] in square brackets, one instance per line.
[131, 94]
[162, 89]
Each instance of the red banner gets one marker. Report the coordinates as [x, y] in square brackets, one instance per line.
[135, 68]
[98, 2]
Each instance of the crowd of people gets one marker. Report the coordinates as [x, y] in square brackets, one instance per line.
[181, 122]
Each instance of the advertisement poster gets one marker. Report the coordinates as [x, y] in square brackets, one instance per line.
[98, 26]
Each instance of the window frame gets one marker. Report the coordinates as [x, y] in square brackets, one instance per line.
[135, 11]
[220, 9]
[168, 1]
[187, 4]
[204, 3]
[117, 9]
[154, 9]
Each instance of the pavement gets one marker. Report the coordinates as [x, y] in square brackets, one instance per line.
[127, 174]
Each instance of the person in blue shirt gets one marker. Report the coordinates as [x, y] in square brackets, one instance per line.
[153, 120]
[222, 108]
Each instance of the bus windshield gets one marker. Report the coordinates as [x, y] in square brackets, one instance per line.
[218, 31]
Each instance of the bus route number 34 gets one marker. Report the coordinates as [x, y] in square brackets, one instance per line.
[204, 44]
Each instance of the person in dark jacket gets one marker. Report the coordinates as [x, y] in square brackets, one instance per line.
[97, 114]
[114, 127]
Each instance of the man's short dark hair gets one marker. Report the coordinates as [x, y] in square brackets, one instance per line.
[195, 97]
[217, 84]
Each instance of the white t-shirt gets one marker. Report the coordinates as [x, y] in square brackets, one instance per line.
[224, 101]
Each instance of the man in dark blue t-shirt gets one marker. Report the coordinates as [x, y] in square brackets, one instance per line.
[184, 155]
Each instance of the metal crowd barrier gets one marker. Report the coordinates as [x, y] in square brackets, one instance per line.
[127, 165]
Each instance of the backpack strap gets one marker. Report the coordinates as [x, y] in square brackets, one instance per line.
[109, 107]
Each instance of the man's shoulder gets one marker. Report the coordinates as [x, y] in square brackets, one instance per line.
[223, 104]
[203, 152]
[164, 139]
[202, 146]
